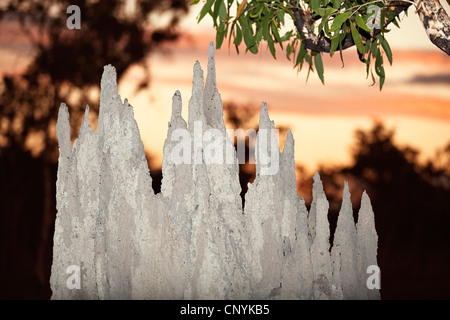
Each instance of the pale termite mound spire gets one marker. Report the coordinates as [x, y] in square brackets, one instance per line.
[115, 239]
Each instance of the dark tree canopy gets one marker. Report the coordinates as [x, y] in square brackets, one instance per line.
[410, 201]
[66, 66]
[69, 61]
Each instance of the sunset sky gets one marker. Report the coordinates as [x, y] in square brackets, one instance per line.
[415, 99]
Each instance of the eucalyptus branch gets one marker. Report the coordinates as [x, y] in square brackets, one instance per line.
[304, 24]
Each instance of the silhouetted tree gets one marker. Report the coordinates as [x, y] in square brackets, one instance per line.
[66, 67]
[411, 202]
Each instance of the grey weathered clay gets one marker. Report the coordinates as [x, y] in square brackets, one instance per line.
[194, 240]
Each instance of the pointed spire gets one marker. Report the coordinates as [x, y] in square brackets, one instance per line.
[212, 107]
[176, 106]
[344, 250]
[264, 119]
[267, 150]
[211, 83]
[108, 96]
[63, 131]
[317, 192]
[346, 207]
[108, 84]
[85, 124]
[289, 143]
[317, 186]
[287, 164]
[367, 243]
[195, 112]
[320, 256]
[366, 216]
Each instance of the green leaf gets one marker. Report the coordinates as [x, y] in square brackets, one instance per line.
[367, 46]
[253, 49]
[308, 59]
[360, 22]
[280, 16]
[288, 52]
[357, 39]
[256, 15]
[238, 38]
[301, 55]
[275, 32]
[382, 81]
[219, 35]
[386, 47]
[382, 19]
[395, 22]
[247, 32]
[334, 44]
[271, 47]
[339, 20]
[374, 48]
[205, 9]
[379, 68]
[223, 11]
[194, 2]
[336, 4]
[341, 38]
[314, 4]
[258, 35]
[286, 36]
[368, 66]
[319, 66]
[215, 11]
[325, 11]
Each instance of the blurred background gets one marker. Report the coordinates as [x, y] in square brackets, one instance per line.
[395, 143]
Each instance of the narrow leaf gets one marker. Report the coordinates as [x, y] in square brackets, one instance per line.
[258, 35]
[253, 49]
[247, 32]
[319, 66]
[275, 33]
[360, 22]
[325, 11]
[286, 36]
[223, 10]
[271, 47]
[219, 35]
[334, 45]
[238, 38]
[379, 65]
[314, 4]
[288, 52]
[339, 20]
[382, 81]
[336, 4]
[357, 38]
[205, 9]
[280, 16]
[215, 11]
[386, 47]
[301, 55]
